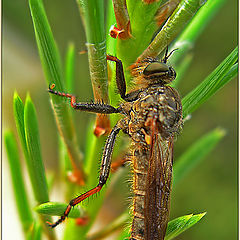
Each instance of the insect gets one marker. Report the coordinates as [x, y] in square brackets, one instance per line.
[152, 116]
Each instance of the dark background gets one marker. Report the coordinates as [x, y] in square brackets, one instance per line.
[211, 186]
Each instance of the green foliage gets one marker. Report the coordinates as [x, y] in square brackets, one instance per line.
[34, 163]
[181, 224]
[175, 227]
[48, 51]
[196, 153]
[143, 27]
[176, 22]
[51, 63]
[27, 127]
[215, 80]
[36, 232]
[185, 42]
[70, 67]
[24, 209]
[56, 209]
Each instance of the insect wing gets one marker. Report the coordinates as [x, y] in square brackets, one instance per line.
[158, 187]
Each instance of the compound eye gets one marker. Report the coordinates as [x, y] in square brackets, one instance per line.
[155, 68]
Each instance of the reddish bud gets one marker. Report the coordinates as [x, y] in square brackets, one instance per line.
[75, 177]
[82, 221]
[114, 31]
[98, 131]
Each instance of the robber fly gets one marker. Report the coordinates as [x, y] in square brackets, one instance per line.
[152, 116]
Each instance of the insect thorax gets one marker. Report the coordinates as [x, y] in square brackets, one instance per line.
[161, 103]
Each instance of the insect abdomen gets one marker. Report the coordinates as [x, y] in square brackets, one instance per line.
[140, 168]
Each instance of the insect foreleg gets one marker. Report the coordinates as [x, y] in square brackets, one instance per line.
[87, 107]
[104, 173]
[120, 79]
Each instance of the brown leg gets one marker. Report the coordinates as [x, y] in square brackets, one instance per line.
[104, 173]
[87, 107]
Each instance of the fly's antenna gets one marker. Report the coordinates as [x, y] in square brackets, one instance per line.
[168, 55]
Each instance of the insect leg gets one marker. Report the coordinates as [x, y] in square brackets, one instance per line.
[104, 173]
[87, 107]
[120, 79]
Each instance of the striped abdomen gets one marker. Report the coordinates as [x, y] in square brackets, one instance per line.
[140, 169]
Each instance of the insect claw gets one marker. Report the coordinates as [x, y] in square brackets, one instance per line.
[51, 86]
[51, 225]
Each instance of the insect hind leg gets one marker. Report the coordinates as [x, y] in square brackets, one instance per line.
[104, 173]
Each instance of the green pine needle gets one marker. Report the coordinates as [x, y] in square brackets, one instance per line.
[35, 163]
[70, 67]
[57, 209]
[181, 224]
[23, 207]
[225, 72]
[200, 21]
[51, 63]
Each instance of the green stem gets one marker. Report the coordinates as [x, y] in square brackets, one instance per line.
[122, 18]
[93, 14]
[182, 14]
[201, 20]
[143, 26]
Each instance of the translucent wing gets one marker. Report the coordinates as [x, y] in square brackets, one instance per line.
[158, 187]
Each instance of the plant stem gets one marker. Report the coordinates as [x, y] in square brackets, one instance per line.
[93, 14]
[182, 14]
[186, 40]
[122, 18]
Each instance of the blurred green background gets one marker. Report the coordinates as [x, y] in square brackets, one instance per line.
[211, 187]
